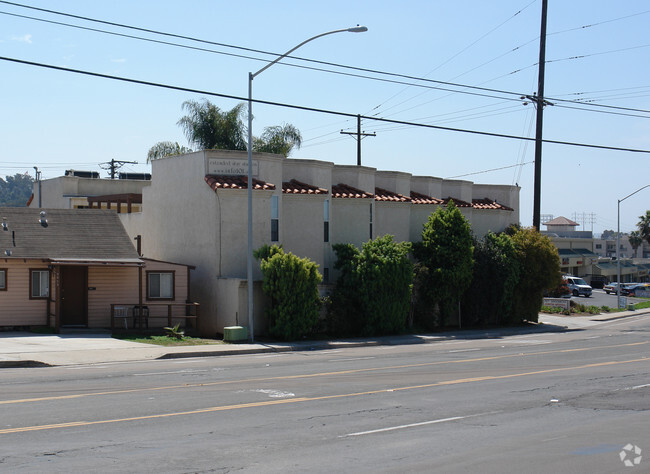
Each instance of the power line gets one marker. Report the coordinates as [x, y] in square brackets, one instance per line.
[490, 170]
[310, 109]
[366, 70]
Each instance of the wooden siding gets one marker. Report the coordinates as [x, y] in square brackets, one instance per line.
[120, 286]
[16, 308]
[110, 285]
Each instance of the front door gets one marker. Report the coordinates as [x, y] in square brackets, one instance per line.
[74, 296]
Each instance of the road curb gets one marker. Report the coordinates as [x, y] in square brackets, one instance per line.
[628, 314]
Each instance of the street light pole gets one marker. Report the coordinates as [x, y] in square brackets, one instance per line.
[618, 244]
[249, 253]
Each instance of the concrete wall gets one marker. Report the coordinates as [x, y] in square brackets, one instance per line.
[60, 192]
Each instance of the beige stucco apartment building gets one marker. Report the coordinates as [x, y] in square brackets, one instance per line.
[195, 212]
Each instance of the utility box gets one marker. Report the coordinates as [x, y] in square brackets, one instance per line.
[235, 334]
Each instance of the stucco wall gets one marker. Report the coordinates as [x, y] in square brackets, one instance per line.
[393, 218]
[302, 226]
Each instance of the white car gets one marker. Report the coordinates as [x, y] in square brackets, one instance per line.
[578, 286]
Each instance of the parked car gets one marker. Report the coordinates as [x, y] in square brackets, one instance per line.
[578, 286]
[634, 290]
[613, 288]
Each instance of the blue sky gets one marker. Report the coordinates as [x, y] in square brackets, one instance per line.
[597, 51]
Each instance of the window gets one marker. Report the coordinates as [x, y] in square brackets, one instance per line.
[160, 285]
[599, 246]
[370, 221]
[3, 279]
[275, 219]
[39, 284]
[326, 220]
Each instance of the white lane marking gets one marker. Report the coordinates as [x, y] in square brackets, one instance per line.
[641, 386]
[270, 392]
[351, 358]
[184, 371]
[412, 425]
[465, 350]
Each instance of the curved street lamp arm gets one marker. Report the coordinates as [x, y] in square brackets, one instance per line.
[356, 29]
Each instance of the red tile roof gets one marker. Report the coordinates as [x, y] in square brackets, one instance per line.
[457, 202]
[296, 187]
[235, 182]
[344, 191]
[417, 198]
[487, 203]
[385, 195]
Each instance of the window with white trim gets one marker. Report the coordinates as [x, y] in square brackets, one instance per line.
[3, 279]
[160, 285]
[39, 286]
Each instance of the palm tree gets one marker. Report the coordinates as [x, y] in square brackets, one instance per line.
[635, 240]
[278, 139]
[208, 127]
[644, 226]
[162, 149]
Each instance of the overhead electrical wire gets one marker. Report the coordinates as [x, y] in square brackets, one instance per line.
[310, 109]
[490, 170]
[189, 38]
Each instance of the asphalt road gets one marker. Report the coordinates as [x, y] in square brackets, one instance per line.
[545, 402]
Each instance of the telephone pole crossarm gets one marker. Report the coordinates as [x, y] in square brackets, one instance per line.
[359, 135]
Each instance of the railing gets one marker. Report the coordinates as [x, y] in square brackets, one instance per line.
[121, 311]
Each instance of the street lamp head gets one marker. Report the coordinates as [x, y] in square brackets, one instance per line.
[358, 29]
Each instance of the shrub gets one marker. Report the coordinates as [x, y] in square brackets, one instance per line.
[446, 251]
[539, 265]
[291, 283]
[489, 298]
[372, 294]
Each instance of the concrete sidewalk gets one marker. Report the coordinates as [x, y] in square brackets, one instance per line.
[24, 349]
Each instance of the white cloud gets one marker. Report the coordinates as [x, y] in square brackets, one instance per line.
[120, 60]
[23, 39]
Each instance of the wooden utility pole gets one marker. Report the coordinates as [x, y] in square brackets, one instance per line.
[540, 116]
[114, 165]
[359, 135]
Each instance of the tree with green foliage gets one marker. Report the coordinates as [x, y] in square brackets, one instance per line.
[446, 251]
[208, 127]
[372, 294]
[162, 149]
[644, 226]
[539, 264]
[16, 190]
[635, 240]
[489, 299]
[291, 283]
[278, 139]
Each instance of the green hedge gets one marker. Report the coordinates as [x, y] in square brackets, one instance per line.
[372, 294]
[291, 283]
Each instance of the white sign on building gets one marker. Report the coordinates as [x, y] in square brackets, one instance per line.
[229, 167]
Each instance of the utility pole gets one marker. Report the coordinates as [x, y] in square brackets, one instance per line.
[37, 176]
[540, 116]
[114, 165]
[359, 136]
